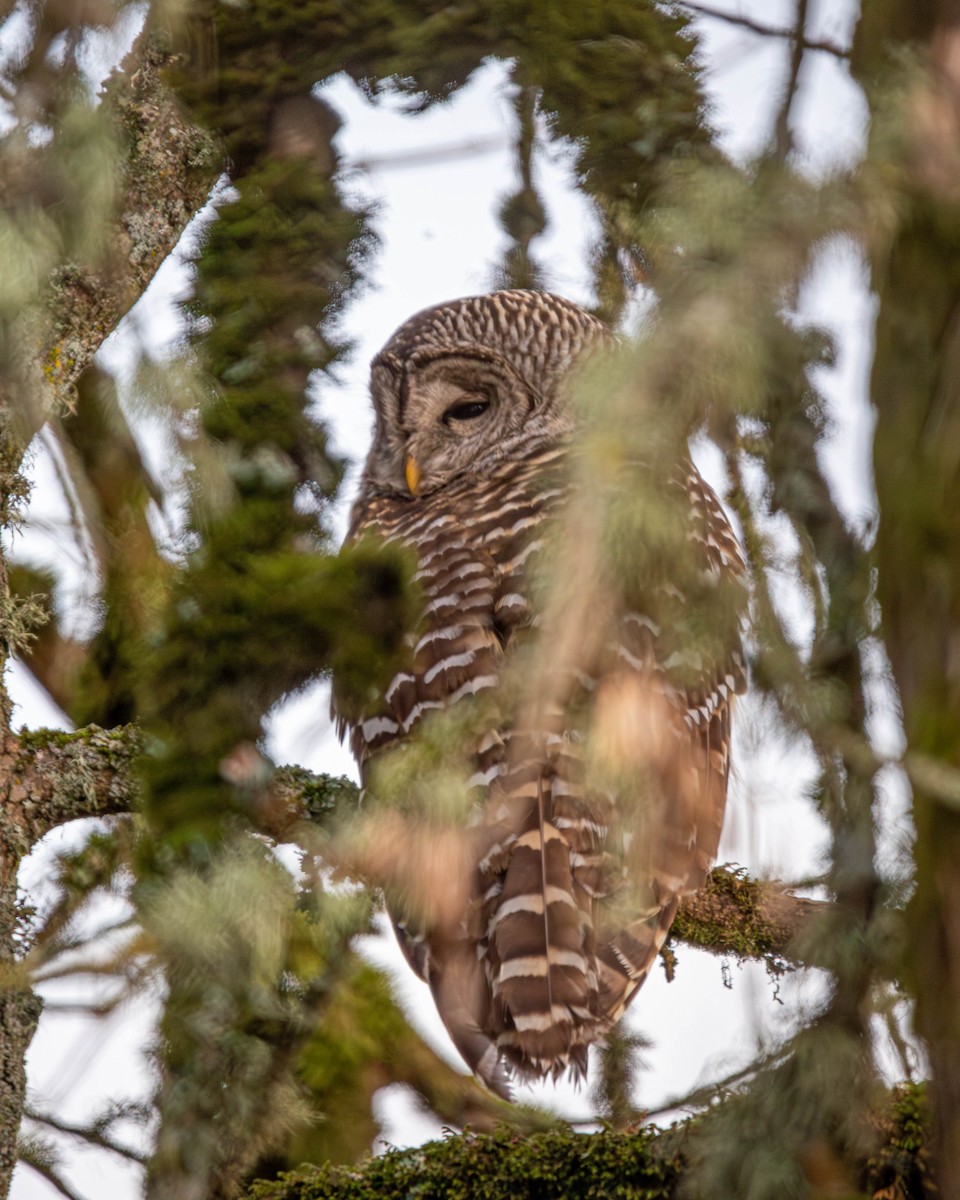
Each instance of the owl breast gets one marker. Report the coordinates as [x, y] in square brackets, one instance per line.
[473, 541]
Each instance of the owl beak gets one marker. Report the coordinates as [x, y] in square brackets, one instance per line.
[412, 473]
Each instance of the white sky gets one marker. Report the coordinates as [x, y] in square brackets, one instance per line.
[439, 240]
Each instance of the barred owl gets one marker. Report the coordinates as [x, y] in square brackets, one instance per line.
[473, 430]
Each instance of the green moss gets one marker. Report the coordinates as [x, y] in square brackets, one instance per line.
[740, 927]
[321, 796]
[543, 1166]
[118, 745]
[645, 1164]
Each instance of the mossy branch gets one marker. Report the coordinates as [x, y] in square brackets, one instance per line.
[746, 917]
[48, 778]
[647, 1163]
[167, 169]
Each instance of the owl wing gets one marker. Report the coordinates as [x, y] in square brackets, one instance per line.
[697, 686]
[454, 650]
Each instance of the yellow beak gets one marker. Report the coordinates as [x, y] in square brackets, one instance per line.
[412, 473]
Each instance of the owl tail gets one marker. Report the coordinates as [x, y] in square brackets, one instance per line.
[541, 963]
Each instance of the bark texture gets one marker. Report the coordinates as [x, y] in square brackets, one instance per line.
[169, 166]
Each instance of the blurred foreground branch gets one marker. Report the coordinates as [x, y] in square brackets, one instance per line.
[916, 397]
[52, 777]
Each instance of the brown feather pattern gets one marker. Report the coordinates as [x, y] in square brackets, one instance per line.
[536, 971]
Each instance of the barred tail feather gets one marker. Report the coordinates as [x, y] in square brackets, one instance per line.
[541, 963]
[461, 993]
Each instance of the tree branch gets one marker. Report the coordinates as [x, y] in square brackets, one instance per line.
[821, 44]
[783, 134]
[48, 778]
[644, 1161]
[52, 1176]
[92, 1134]
[737, 915]
[168, 171]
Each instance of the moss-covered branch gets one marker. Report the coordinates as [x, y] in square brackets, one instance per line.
[749, 918]
[503, 1163]
[48, 778]
[645, 1164]
[167, 169]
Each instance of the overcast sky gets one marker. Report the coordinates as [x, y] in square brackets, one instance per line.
[439, 240]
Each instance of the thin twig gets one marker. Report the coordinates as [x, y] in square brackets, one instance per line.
[96, 1011]
[782, 131]
[85, 1133]
[703, 1094]
[51, 1176]
[429, 154]
[820, 44]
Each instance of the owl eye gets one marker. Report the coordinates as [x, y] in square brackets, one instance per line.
[466, 411]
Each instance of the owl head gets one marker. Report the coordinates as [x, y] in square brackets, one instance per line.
[463, 386]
